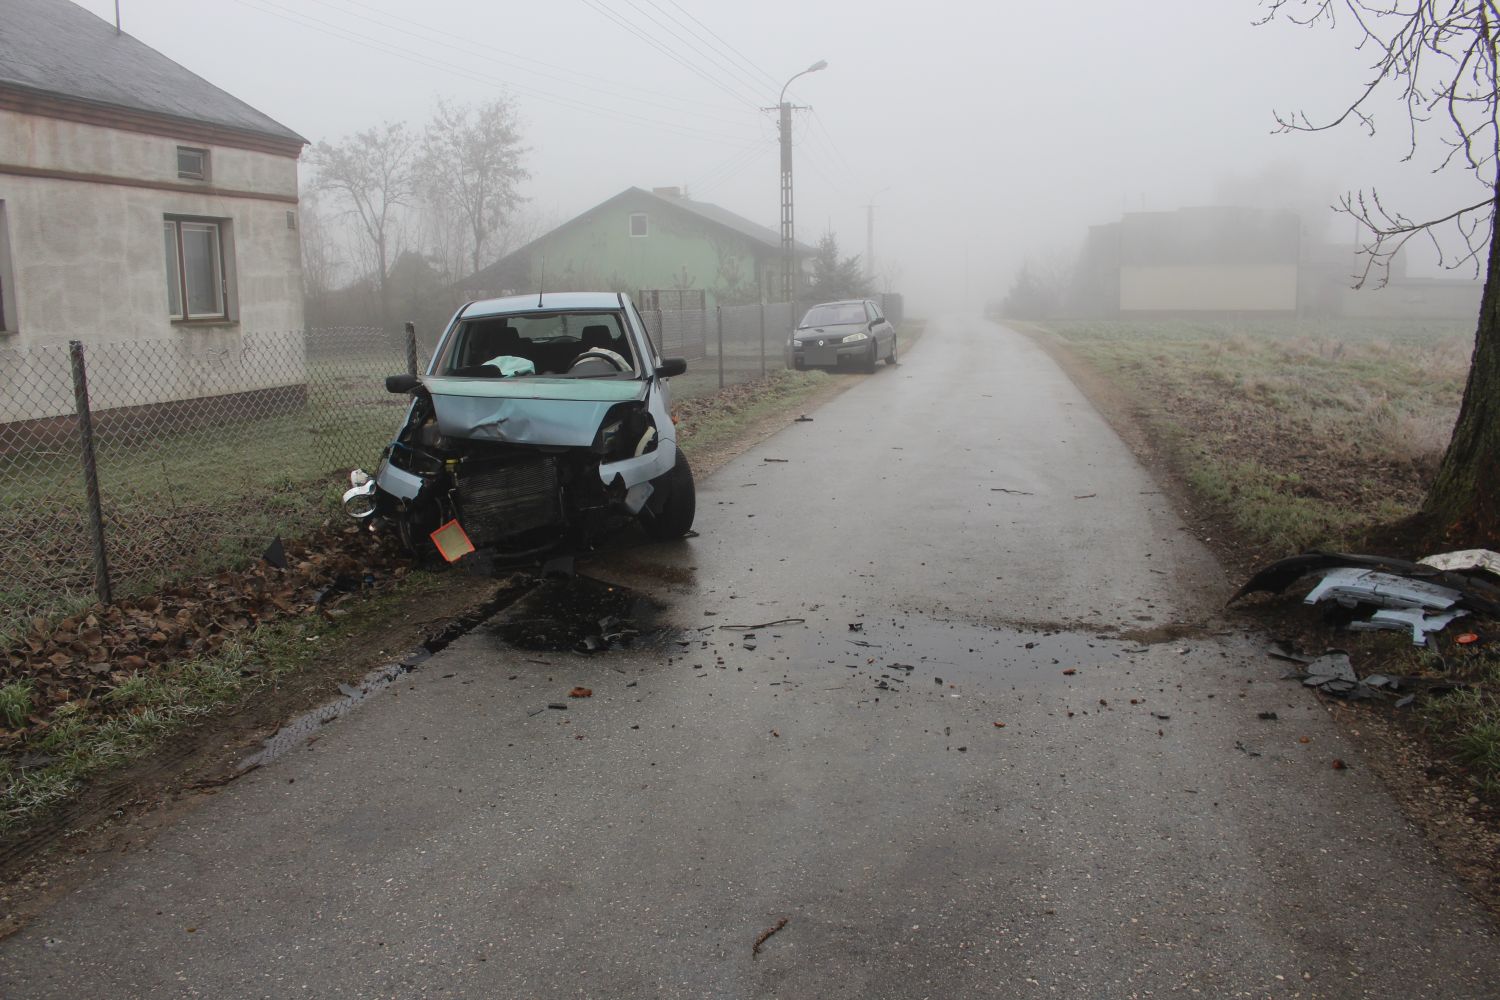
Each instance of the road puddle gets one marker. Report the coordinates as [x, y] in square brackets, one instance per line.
[579, 614]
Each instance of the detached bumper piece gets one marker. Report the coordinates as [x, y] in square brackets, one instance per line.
[1389, 593]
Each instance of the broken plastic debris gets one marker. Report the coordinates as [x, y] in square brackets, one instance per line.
[581, 692]
[1407, 618]
[452, 541]
[1465, 559]
[275, 554]
[1351, 586]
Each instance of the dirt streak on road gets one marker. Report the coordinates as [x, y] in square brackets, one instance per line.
[962, 773]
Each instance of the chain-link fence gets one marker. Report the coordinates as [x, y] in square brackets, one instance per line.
[126, 465]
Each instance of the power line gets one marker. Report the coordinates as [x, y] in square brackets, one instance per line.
[732, 51]
[379, 45]
[598, 6]
[384, 18]
[832, 144]
[731, 167]
[692, 42]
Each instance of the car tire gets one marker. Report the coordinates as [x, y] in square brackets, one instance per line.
[890, 358]
[675, 518]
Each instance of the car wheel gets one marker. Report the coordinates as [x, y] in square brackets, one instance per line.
[890, 358]
[675, 517]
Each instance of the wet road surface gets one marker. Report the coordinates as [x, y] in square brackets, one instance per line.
[1007, 751]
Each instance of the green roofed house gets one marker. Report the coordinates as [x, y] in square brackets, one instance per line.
[647, 241]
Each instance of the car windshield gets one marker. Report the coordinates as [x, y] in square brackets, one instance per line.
[834, 314]
[541, 345]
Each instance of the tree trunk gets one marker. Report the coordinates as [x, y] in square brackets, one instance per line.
[1464, 502]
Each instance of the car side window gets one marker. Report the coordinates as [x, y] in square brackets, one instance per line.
[878, 314]
[870, 313]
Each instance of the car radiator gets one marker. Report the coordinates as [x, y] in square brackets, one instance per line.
[506, 500]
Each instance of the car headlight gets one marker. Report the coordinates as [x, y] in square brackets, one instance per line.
[796, 343]
[609, 436]
[855, 338]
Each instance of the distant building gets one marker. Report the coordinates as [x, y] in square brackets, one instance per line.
[642, 240]
[1229, 261]
[137, 200]
[1194, 261]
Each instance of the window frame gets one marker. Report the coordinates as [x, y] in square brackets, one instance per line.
[188, 175]
[184, 313]
[645, 225]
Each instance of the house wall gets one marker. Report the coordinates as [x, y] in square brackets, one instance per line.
[1200, 289]
[84, 206]
[598, 253]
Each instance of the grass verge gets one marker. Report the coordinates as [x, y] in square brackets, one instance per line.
[1294, 433]
[144, 708]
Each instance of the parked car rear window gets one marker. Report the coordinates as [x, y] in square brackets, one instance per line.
[834, 314]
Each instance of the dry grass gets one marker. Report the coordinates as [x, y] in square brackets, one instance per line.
[1298, 433]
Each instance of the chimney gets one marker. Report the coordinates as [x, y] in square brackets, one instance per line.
[667, 192]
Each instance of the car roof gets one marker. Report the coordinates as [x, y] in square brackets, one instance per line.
[540, 303]
[841, 302]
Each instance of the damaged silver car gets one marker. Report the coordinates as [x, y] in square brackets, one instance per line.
[541, 422]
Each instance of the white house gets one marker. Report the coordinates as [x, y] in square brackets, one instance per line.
[137, 202]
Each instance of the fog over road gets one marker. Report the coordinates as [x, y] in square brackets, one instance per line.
[1133, 829]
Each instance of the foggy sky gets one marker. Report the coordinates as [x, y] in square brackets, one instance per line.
[1000, 130]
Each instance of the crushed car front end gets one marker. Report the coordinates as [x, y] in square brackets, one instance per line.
[523, 465]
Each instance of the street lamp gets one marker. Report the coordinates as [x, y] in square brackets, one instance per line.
[788, 240]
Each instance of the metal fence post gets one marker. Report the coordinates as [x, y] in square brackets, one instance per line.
[762, 339]
[411, 348]
[90, 471]
[719, 322]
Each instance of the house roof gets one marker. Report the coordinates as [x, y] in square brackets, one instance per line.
[722, 218]
[56, 48]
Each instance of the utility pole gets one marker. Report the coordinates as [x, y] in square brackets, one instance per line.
[788, 229]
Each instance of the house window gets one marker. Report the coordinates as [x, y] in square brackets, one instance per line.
[192, 163]
[195, 269]
[638, 224]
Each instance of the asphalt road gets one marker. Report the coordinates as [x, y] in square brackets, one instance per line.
[1133, 829]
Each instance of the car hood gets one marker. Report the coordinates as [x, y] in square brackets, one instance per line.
[562, 413]
[830, 330]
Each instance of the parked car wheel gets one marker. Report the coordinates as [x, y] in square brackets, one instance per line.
[675, 518]
[890, 358]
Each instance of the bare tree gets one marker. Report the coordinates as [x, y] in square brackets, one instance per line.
[471, 165]
[320, 261]
[372, 173]
[1440, 59]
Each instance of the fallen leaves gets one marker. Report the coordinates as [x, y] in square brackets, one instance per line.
[581, 692]
[81, 657]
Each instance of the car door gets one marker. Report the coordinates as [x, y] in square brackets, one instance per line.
[882, 331]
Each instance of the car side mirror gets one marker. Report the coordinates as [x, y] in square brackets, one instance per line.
[401, 383]
[670, 367]
[874, 323]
